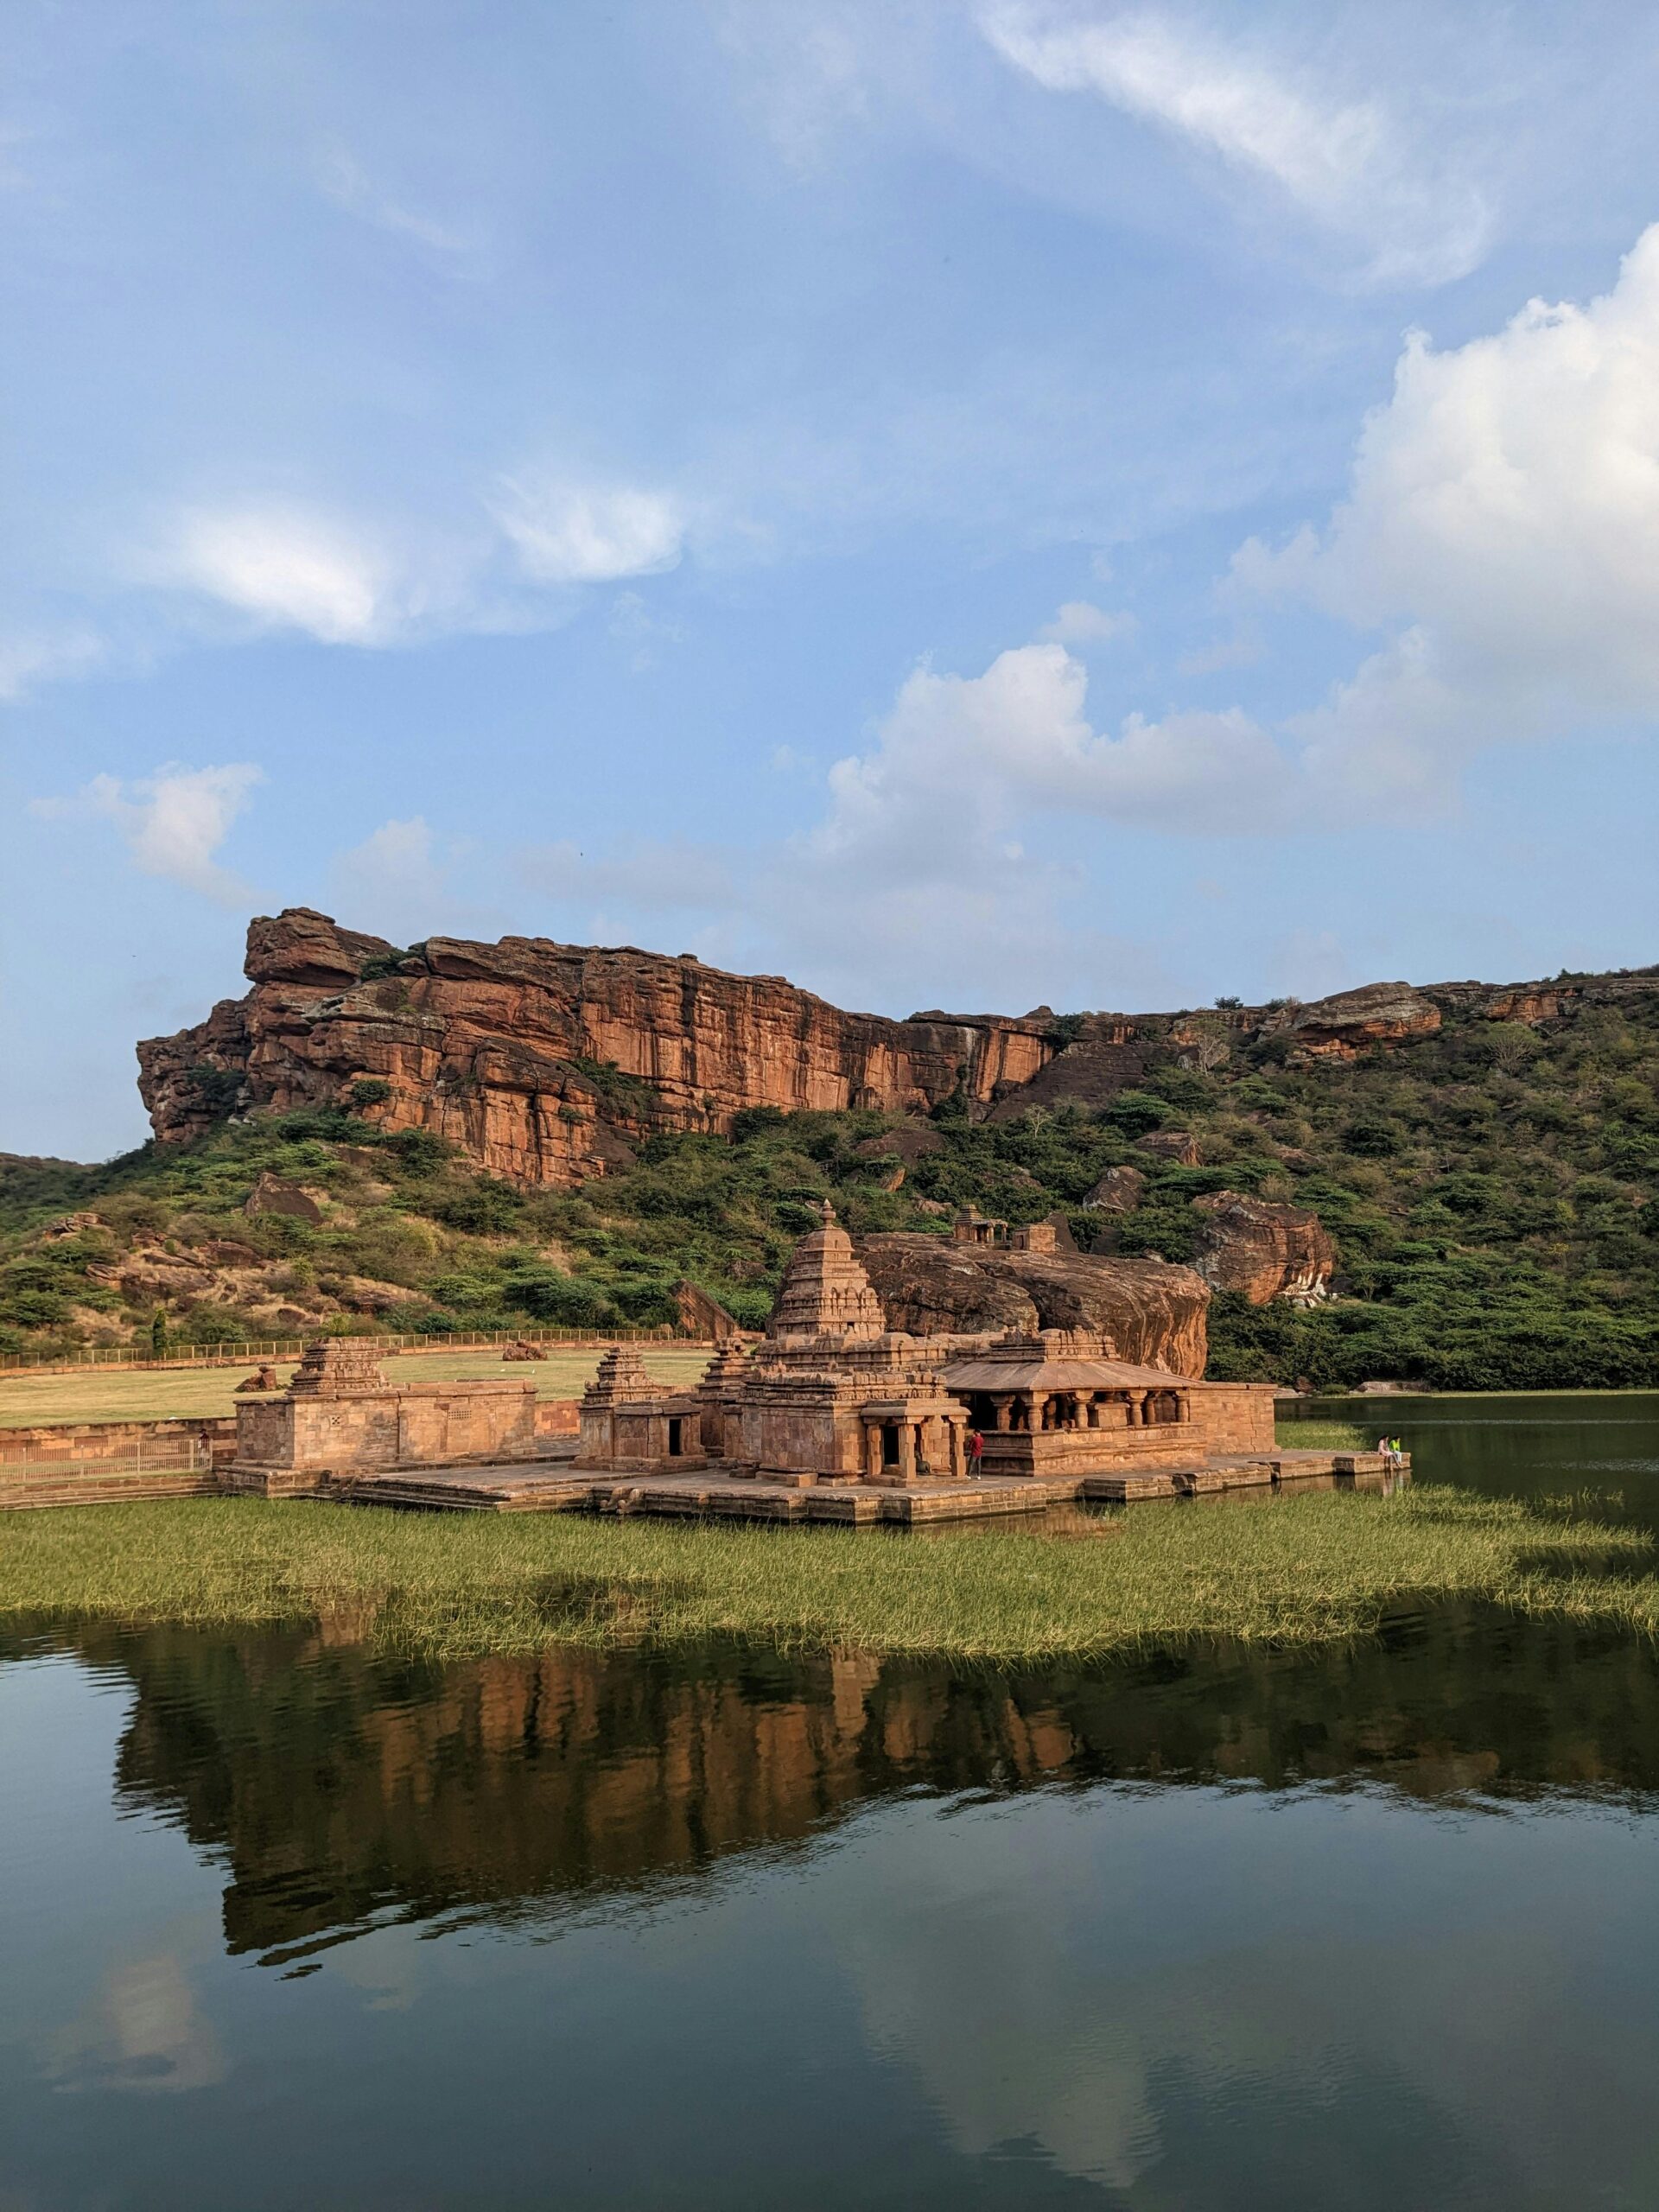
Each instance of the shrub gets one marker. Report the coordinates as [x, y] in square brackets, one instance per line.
[1136, 1113]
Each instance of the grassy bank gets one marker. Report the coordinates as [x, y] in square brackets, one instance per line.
[1301, 1570]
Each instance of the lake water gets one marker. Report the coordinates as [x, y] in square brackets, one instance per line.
[285, 1926]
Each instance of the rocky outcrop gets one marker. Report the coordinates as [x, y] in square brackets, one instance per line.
[1089, 1073]
[273, 1194]
[914, 1141]
[1263, 1252]
[543, 1061]
[1349, 1023]
[1152, 1314]
[546, 1062]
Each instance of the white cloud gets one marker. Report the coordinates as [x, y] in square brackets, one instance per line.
[1503, 512]
[568, 533]
[1081, 623]
[973, 755]
[173, 823]
[1342, 161]
[288, 568]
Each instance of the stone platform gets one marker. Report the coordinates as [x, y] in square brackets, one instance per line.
[715, 1494]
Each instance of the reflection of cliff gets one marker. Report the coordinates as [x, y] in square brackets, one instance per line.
[342, 1787]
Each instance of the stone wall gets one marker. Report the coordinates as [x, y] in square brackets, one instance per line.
[96, 1463]
[296, 1443]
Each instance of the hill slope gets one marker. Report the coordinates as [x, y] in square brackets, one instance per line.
[1486, 1170]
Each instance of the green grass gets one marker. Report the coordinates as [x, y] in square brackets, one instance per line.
[1303, 1570]
[184, 1394]
[1322, 1436]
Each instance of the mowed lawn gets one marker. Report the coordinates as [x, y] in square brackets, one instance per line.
[186, 1393]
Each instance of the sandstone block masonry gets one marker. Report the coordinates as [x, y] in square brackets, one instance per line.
[339, 1421]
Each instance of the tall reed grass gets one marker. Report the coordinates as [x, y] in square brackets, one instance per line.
[1298, 1571]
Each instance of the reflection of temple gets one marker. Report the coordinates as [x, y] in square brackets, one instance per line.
[341, 1788]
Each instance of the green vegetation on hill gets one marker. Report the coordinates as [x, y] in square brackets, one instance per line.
[1490, 1189]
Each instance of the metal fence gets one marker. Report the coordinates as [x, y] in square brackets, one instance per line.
[167, 1455]
[246, 1354]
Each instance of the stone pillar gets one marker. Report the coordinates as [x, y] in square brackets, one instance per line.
[1001, 1409]
[956, 1431]
[871, 1451]
[906, 1452]
[1039, 1403]
[1080, 1402]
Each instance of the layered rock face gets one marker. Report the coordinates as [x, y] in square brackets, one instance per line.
[544, 1060]
[1153, 1314]
[1264, 1251]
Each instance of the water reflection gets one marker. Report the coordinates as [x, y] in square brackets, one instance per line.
[342, 1789]
[1597, 1450]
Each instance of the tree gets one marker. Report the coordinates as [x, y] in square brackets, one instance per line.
[158, 1332]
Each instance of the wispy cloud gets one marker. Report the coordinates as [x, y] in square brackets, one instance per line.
[173, 823]
[514, 563]
[39, 655]
[341, 178]
[1343, 162]
[574, 533]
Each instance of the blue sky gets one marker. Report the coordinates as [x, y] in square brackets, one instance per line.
[968, 504]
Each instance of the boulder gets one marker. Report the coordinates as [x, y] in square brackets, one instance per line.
[1119, 1190]
[272, 1194]
[1180, 1146]
[1263, 1252]
[70, 1225]
[1152, 1314]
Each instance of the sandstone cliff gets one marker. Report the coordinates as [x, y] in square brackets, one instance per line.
[545, 1060]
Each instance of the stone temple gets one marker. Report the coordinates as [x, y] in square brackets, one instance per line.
[833, 1416]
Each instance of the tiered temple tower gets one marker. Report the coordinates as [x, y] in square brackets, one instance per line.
[825, 1291]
